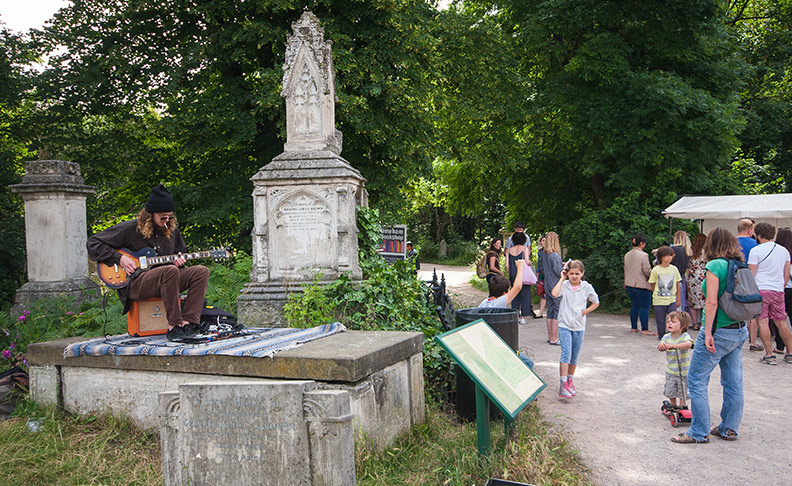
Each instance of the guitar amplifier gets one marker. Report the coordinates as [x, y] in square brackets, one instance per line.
[147, 317]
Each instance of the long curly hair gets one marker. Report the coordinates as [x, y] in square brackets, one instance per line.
[145, 224]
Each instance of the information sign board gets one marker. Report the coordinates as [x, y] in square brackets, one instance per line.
[493, 366]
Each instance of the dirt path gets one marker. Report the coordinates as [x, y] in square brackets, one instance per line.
[616, 422]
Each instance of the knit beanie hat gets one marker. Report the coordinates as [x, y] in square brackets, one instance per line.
[160, 201]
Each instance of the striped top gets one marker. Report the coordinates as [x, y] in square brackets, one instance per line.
[671, 354]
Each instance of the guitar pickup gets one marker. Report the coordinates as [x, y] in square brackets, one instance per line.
[143, 263]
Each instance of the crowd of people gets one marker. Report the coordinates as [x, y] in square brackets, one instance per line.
[681, 284]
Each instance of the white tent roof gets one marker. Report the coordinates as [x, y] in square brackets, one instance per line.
[765, 206]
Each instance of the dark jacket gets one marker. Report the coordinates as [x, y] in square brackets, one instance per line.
[103, 245]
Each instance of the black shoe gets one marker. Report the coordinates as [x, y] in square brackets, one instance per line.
[175, 333]
[190, 330]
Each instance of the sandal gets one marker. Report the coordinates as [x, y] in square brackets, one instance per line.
[648, 333]
[554, 343]
[769, 360]
[756, 347]
[686, 439]
[634, 330]
[729, 435]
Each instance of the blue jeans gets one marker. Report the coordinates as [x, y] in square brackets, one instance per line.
[641, 299]
[661, 311]
[571, 343]
[727, 355]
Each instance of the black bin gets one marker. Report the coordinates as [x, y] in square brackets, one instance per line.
[505, 324]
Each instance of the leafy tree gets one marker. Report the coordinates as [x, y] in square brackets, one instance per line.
[14, 55]
[630, 103]
[764, 161]
[187, 93]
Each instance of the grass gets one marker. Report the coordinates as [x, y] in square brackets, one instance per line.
[69, 450]
[444, 452]
[105, 450]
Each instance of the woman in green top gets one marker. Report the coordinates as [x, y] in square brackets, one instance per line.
[718, 344]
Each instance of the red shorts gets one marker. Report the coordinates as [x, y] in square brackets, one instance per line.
[772, 305]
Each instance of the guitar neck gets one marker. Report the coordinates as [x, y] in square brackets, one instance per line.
[158, 260]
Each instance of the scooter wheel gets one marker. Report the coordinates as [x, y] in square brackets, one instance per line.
[672, 417]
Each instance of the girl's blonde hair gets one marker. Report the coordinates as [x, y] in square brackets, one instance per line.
[552, 245]
[682, 239]
[145, 225]
[577, 264]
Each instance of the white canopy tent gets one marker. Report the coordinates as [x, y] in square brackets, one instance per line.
[726, 211]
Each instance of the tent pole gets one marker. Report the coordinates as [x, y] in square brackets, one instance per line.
[671, 229]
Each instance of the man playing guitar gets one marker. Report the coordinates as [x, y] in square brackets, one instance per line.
[155, 227]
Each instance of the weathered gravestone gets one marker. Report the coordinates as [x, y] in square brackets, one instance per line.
[305, 200]
[241, 433]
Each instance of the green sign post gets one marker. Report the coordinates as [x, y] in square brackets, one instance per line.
[497, 371]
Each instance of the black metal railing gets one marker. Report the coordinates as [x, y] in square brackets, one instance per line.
[438, 297]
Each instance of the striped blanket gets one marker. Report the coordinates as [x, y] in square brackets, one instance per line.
[256, 342]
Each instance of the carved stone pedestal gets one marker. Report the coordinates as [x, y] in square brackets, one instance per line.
[55, 232]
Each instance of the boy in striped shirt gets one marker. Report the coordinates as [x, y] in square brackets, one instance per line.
[677, 339]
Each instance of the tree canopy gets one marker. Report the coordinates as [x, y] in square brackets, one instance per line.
[586, 117]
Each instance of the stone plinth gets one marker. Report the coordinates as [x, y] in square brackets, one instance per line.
[256, 433]
[55, 231]
[305, 209]
[381, 371]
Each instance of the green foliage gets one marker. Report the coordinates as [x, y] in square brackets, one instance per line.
[14, 81]
[601, 237]
[227, 278]
[764, 162]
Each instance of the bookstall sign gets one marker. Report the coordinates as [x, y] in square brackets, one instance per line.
[394, 243]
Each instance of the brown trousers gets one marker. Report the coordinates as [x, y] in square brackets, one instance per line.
[167, 282]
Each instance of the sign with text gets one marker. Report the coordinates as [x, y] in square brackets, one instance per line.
[394, 243]
[493, 366]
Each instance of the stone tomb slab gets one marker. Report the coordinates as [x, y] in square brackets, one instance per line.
[256, 433]
[381, 371]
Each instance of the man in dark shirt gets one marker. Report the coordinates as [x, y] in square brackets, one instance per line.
[155, 227]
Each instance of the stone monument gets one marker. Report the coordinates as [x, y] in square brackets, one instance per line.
[282, 432]
[54, 193]
[305, 200]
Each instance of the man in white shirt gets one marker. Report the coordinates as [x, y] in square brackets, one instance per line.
[770, 264]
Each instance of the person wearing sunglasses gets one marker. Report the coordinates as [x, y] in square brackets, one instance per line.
[155, 227]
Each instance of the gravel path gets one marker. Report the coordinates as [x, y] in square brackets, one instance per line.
[616, 422]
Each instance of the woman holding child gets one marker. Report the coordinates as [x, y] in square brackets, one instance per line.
[720, 344]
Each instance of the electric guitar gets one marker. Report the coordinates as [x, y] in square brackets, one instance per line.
[116, 277]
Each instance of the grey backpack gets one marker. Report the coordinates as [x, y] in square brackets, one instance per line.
[740, 300]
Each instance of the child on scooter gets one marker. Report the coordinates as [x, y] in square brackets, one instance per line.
[676, 338]
[575, 295]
